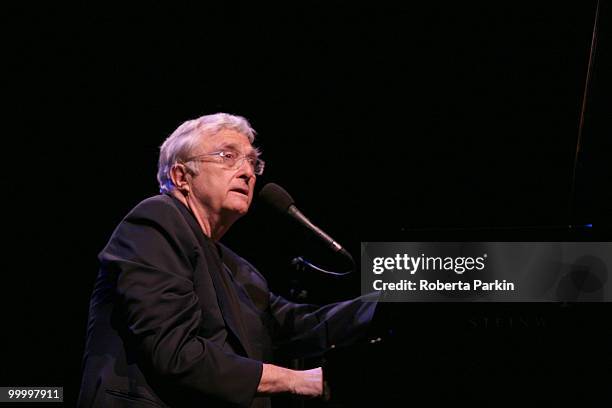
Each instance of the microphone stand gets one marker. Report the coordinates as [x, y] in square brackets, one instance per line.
[299, 294]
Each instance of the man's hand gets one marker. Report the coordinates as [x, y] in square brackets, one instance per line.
[274, 380]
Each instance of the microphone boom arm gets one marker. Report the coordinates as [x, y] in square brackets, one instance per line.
[297, 214]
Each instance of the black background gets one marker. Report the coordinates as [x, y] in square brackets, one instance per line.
[384, 121]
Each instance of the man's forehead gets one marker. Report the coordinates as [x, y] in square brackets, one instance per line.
[228, 139]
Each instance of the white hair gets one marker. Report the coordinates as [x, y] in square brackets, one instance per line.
[183, 141]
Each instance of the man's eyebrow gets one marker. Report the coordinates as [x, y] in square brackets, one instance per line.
[225, 145]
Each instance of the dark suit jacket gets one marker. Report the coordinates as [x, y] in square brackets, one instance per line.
[178, 320]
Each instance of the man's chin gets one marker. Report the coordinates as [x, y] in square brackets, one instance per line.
[238, 207]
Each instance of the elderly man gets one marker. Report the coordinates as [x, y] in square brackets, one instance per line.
[178, 319]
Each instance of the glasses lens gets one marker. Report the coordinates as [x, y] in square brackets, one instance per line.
[234, 161]
[259, 167]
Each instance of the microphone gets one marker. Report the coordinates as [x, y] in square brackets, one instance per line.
[277, 197]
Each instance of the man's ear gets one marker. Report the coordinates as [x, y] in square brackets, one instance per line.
[180, 175]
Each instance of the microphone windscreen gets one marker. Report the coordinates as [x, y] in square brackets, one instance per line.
[276, 196]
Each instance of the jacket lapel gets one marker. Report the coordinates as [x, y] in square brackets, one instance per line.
[227, 297]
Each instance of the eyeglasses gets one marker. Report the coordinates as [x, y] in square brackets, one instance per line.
[232, 160]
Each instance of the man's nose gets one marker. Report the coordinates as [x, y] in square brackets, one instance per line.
[246, 169]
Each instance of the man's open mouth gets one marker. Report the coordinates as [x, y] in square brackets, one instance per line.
[241, 191]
